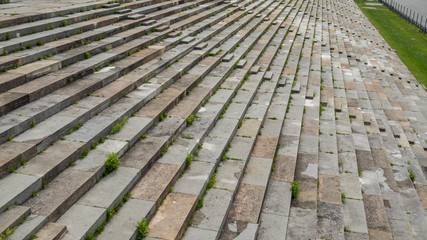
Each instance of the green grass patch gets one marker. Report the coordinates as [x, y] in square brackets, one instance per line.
[409, 43]
[119, 125]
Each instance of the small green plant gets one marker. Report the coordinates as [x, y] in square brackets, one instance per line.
[190, 119]
[295, 189]
[211, 181]
[143, 136]
[7, 233]
[164, 151]
[85, 153]
[64, 23]
[189, 159]
[112, 163]
[119, 125]
[142, 228]
[110, 214]
[163, 116]
[88, 55]
[199, 203]
[360, 171]
[346, 229]
[411, 175]
[343, 197]
[90, 236]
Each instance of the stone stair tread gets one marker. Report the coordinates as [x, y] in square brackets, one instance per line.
[255, 69]
[175, 34]
[136, 16]
[79, 220]
[188, 40]
[123, 225]
[143, 152]
[169, 219]
[16, 188]
[111, 189]
[395, 131]
[29, 228]
[61, 193]
[153, 185]
[268, 75]
[10, 218]
[44, 164]
[241, 63]
[201, 46]
[52, 231]
[296, 88]
[12, 153]
[194, 180]
[228, 57]
[149, 22]
[123, 11]
[111, 5]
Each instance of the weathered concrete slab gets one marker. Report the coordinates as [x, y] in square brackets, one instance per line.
[27, 229]
[156, 183]
[16, 188]
[195, 178]
[51, 231]
[10, 218]
[123, 225]
[212, 215]
[111, 189]
[81, 220]
[172, 216]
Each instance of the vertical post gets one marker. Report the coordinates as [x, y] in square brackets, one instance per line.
[416, 23]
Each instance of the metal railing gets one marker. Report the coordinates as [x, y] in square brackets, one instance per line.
[410, 15]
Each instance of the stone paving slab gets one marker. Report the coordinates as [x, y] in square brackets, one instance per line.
[111, 189]
[51, 231]
[123, 225]
[10, 218]
[80, 220]
[153, 185]
[27, 229]
[195, 178]
[52, 200]
[182, 204]
[216, 205]
[16, 188]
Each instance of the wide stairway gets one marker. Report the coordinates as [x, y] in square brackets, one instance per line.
[207, 119]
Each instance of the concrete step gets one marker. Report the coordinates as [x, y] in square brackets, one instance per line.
[12, 218]
[30, 121]
[79, 168]
[14, 98]
[104, 29]
[32, 135]
[204, 155]
[52, 231]
[146, 184]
